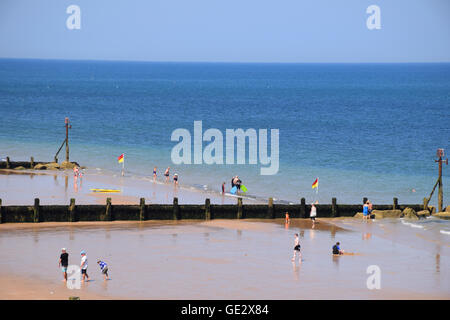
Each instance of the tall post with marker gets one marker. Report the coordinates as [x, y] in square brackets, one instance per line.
[440, 154]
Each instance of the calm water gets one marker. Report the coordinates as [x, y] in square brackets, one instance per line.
[363, 129]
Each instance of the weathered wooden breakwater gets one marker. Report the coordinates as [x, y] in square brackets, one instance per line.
[175, 211]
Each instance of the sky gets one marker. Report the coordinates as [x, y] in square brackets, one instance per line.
[227, 31]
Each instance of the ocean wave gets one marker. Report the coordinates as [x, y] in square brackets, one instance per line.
[412, 225]
[445, 232]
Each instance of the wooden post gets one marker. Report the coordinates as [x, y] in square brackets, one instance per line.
[207, 209]
[142, 209]
[36, 210]
[67, 138]
[108, 210]
[303, 208]
[334, 211]
[1, 216]
[56, 159]
[72, 217]
[176, 209]
[425, 204]
[8, 165]
[395, 204]
[239, 209]
[31, 162]
[270, 211]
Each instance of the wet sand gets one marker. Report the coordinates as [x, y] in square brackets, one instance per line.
[57, 187]
[224, 259]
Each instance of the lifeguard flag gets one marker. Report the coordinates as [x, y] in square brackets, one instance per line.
[120, 158]
[315, 183]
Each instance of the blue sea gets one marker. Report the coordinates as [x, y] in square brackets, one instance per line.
[365, 130]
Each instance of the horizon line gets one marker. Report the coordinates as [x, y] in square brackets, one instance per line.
[229, 62]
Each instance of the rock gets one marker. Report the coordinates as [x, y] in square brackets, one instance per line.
[409, 213]
[52, 166]
[447, 209]
[68, 165]
[442, 215]
[423, 213]
[20, 168]
[40, 166]
[358, 215]
[381, 214]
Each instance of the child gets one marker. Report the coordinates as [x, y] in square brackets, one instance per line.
[337, 250]
[287, 220]
[297, 249]
[104, 268]
[84, 266]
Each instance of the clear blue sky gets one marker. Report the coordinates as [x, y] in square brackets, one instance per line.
[227, 30]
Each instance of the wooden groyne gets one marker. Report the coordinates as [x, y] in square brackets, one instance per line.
[36, 165]
[175, 211]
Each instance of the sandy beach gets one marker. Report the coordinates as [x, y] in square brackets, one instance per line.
[224, 259]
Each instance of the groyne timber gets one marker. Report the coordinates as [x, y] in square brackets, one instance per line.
[175, 211]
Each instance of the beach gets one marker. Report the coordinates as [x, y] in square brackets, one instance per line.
[226, 259]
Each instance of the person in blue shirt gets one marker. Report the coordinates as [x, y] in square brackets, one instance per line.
[337, 250]
[104, 268]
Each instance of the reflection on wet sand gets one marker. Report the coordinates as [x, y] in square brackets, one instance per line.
[222, 259]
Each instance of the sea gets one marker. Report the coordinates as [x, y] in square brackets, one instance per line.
[362, 130]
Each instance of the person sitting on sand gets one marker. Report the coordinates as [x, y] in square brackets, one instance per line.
[337, 250]
[297, 249]
[104, 269]
[64, 262]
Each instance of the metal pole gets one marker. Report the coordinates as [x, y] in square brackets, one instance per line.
[67, 139]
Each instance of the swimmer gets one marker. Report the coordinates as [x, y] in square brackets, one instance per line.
[297, 249]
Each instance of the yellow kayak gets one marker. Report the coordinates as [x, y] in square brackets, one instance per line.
[105, 190]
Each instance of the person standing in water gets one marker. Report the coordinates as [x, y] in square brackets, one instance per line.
[366, 210]
[64, 262]
[154, 174]
[167, 174]
[223, 187]
[313, 213]
[297, 249]
[175, 179]
[84, 266]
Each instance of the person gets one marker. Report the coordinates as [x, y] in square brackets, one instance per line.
[84, 266]
[297, 249]
[370, 208]
[238, 183]
[337, 250]
[313, 213]
[287, 220]
[75, 172]
[104, 269]
[64, 262]
[232, 182]
[175, 179]
[223, 187]
[167, 173]
[366, 210]
[154, 173]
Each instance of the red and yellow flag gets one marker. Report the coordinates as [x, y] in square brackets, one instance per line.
[120, 158]
[315, 183]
